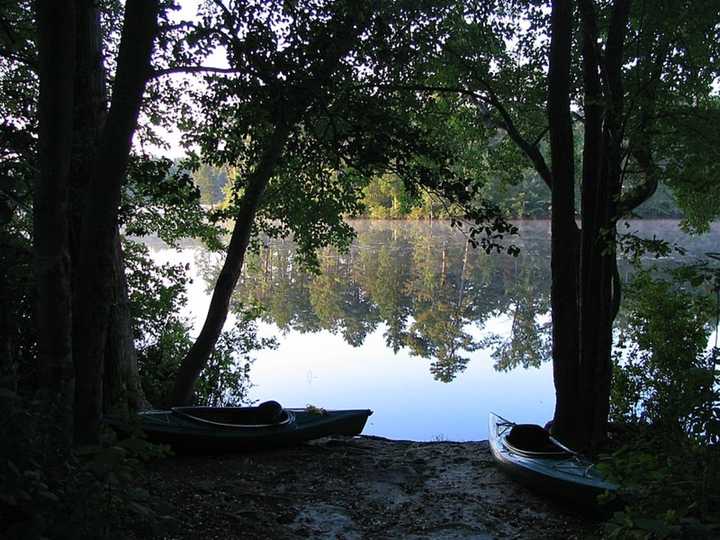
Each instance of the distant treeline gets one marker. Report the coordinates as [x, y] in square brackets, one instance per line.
[387, 197]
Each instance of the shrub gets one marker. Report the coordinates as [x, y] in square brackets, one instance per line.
[666, 389]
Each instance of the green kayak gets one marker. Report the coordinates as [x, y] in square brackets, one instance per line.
[232, 429]
[529, 454]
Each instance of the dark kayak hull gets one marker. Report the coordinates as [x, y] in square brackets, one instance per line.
[186, 434]
[565, 476]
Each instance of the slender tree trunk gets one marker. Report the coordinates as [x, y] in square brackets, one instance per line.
[8, 364]
[91, 99]
[353, 24]
[122, 390]
[582, 377]
[564, 236]
[53, 315]
[99, 222]
[200, 352]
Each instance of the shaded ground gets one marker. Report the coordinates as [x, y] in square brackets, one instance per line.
[352, 488]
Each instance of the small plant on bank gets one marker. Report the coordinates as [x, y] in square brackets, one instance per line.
[163, 337]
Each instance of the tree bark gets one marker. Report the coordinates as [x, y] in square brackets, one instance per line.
[582, 376]
[586, 286]
[608, 285]
[197, 356]
[53, 314]
[99, 216]
[89, 118]
[8, 364]
[91, 100]
[564, 236]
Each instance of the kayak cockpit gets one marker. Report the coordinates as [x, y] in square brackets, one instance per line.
[268, 414]
[531, 440]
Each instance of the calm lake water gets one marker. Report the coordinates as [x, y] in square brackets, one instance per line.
[412, 323]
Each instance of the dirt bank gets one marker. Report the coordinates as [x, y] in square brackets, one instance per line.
[353, 488]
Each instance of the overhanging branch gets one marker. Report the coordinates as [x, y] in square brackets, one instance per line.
[638, 195]
[530, 149]
[186, 70]
[507, 124]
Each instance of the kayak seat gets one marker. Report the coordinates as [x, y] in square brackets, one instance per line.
[270, 412]
[531, 438]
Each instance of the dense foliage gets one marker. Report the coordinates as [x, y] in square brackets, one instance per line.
[665, 374]
[666, 396]
[524, 197]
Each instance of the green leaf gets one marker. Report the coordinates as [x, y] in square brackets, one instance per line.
[33, 474]
[140, 509]
[87, 450]
[106, 460]
[13, 468]
[134, 445]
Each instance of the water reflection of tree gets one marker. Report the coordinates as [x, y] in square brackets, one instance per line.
[440, 306]
[382, 273]
[431, 292]
[339, 302]
[273, 279]
[529, 342]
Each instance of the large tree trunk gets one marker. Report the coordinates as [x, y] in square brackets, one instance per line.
[582, 377]
[567, 423]
[53, 315]
[601, 188]
[99, 217]
[121, 387]
[91, 101]
[89, 118]
[198, 355]
[595, 325]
